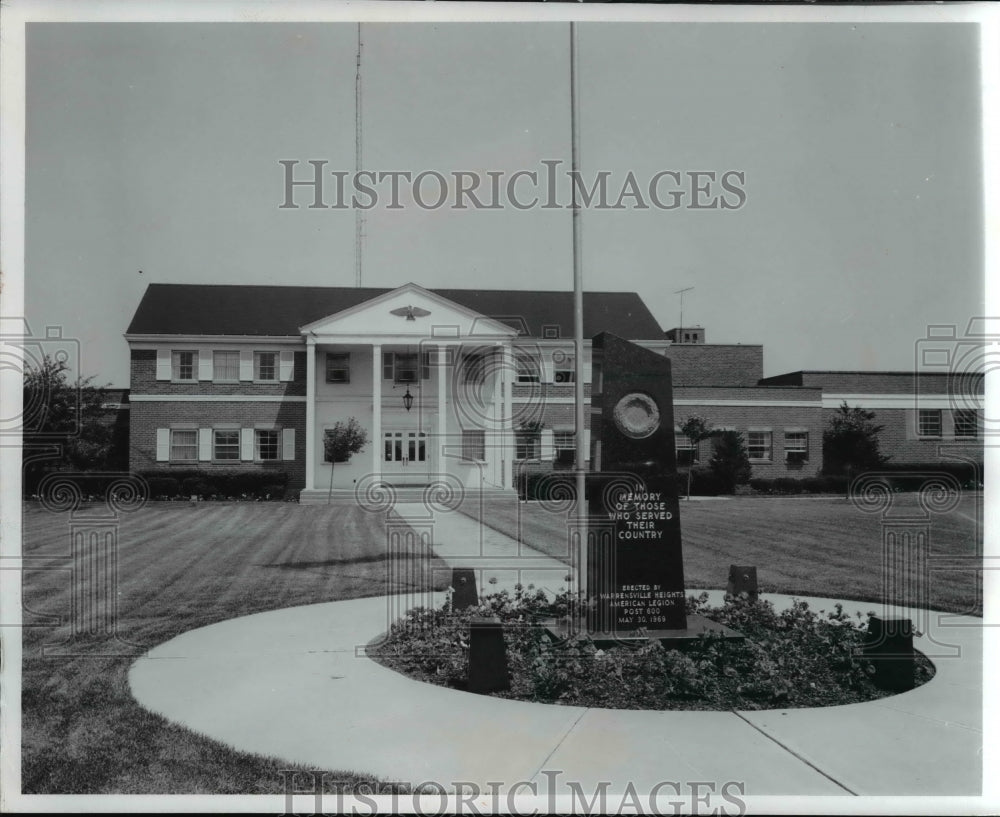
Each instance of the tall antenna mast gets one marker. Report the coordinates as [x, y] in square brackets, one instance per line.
[680, 326]
[359, 223]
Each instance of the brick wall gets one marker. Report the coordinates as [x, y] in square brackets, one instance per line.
[900, 441]
[146, 417]
[143, 380]
[762, 412]
[715, 364]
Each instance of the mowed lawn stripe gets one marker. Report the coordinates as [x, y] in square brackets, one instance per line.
[180, 566]
[817, 546]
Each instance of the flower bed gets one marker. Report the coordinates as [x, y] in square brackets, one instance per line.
[794, 658]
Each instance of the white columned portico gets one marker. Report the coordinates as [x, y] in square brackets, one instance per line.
[377, 409]
[442, 412]
[310, 412]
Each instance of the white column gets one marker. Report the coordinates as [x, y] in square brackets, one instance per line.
[310, 413]
[376, 409]
[509, 369]
[442, 423]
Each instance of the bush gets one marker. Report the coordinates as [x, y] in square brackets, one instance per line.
[795, 658]
[217, 484]
[163, 487]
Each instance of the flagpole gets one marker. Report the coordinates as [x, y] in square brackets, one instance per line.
[581, 450]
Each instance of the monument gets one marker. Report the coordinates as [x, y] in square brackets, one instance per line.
[635, 567]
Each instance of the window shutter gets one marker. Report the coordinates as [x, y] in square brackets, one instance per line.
[548, 444]
[204, 443]
[204, 364]
[246, 364]
[162, 444]
[388, 369]
[288, 443]
[246, 443]
[548, 370]
[163, 361]
[286, 366]
[586, 443]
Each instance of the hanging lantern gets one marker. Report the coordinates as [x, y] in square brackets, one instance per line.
[407, 399]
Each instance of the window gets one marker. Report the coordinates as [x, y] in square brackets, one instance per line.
[338, 367]
[687, 451]
[403, 368]
[565, 371]
[184, 444]
[796, 446]
[929, 422]
[759, 445]
[474, 446]
[266, 443]
[527, 445]
[550, 330]
[474, 367]
[966, 423]
[527, 369]
[226, 366]
[564, 443]
[184, 365]
[265, 365]
[226, 444]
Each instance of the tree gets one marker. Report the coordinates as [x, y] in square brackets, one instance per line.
[696, 429]
[340, 442]
[730, 462]
[68, 416]
[850, 443]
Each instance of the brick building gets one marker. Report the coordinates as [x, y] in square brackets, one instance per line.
[472, 385]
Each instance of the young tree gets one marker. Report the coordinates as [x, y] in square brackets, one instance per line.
[850, 443]
[696, 429]
[340, 442]
[730, 462]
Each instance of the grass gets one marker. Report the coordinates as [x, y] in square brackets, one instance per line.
[812, 546]
[180, 566]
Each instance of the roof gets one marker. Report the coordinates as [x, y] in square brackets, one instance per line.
[277, 311]
[799, 377]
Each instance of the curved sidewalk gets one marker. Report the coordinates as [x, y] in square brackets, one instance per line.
[293, 684]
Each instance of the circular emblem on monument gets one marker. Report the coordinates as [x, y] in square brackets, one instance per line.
[636, 415]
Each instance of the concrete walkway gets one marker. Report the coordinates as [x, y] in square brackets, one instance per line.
[294, 684]
[500, 562]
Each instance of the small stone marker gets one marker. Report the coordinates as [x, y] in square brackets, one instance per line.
[488, 670]
[742, 580]
[889, 644]
[463, 583]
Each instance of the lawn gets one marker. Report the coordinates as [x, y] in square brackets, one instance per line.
[180, 566]
[802, 545]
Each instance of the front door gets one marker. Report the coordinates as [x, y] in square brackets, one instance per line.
[404, 456]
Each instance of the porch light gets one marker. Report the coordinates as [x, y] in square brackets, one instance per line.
[407, 399]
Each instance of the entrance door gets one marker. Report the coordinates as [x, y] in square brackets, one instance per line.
[404, 456]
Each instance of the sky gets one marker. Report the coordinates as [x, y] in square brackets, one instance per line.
[153, 155]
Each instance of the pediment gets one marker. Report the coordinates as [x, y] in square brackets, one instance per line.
[409, 311]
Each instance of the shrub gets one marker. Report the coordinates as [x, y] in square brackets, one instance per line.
[730, 461]
[220, 484]
[798, 657]
[163, 487]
